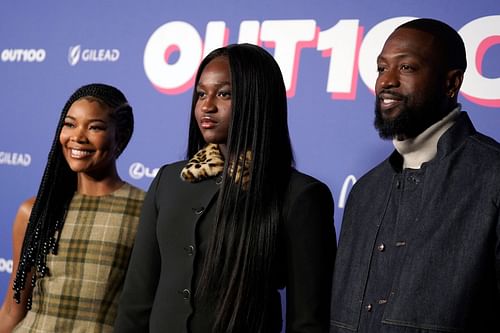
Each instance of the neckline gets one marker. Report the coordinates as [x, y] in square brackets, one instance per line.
[110, 194]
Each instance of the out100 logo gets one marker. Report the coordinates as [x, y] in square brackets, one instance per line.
[174, 51]
[5, 265]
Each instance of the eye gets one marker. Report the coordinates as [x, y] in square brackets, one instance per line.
[68, 124]
[97, 128]
[200, 94]
[407, 68]
[225, 94]
[381, 69]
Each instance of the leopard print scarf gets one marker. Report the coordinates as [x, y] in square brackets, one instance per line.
[209, 162]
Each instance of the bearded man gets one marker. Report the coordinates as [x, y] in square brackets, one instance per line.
[419, 248]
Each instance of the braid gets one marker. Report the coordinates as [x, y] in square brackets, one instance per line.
[58, 185]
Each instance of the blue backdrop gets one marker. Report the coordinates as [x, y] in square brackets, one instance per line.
[150, 50]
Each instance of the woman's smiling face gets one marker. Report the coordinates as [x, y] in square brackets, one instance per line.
[88, 138]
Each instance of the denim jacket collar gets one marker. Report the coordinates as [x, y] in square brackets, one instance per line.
[452, 139]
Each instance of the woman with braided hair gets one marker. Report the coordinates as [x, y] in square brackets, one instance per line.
[71, 257]
[223, 231]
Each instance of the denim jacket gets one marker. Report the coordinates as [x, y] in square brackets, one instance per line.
[448, 279]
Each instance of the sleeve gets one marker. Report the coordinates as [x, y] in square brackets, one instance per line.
[143, 272]
[310, 253]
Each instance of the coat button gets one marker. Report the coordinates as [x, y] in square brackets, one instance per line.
[189, 250]
[381, 247]
[199, 210]
[218, 180]
[414, 179]
[369, 307]
[186, 294]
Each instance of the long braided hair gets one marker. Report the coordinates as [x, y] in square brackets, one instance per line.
[236, 275]
[58, 185]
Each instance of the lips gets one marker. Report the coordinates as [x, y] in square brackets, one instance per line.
[80, 153]
[207, 123]
[389, 100]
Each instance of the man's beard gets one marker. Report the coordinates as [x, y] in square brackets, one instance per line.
[412, 120]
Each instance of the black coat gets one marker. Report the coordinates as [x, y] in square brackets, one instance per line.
[175, 221]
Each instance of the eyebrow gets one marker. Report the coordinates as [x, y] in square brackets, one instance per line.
[90, 121]
[217, 84]
[398, 56]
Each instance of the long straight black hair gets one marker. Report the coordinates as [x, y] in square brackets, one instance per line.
[59, 183]
[236, 275]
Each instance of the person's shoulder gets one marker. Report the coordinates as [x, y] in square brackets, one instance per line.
[373, 179]
[487, 143]
[174, 166]
[301, 182]
[306, 192]
[382, 169]
[168, 175]
[26, 206]
[133, 191]
[23, 215]
[474, 141]
[299, 178]
[169, 169]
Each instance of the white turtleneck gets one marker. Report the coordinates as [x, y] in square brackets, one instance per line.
[423, 148]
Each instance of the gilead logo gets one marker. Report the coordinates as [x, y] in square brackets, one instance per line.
[77, 54]
[23, 55]
[5, 265]
[15, 159]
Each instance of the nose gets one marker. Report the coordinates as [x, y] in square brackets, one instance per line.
[79, 135]
[388, 79]
[208, 104]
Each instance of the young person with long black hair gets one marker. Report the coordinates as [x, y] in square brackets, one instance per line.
[223, 231]
[71, 257]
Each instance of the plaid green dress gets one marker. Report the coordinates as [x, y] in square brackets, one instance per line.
[85, 279]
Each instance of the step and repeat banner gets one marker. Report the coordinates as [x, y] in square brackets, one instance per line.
[151, 49]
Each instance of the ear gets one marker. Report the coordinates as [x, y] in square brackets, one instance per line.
[454, 80]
